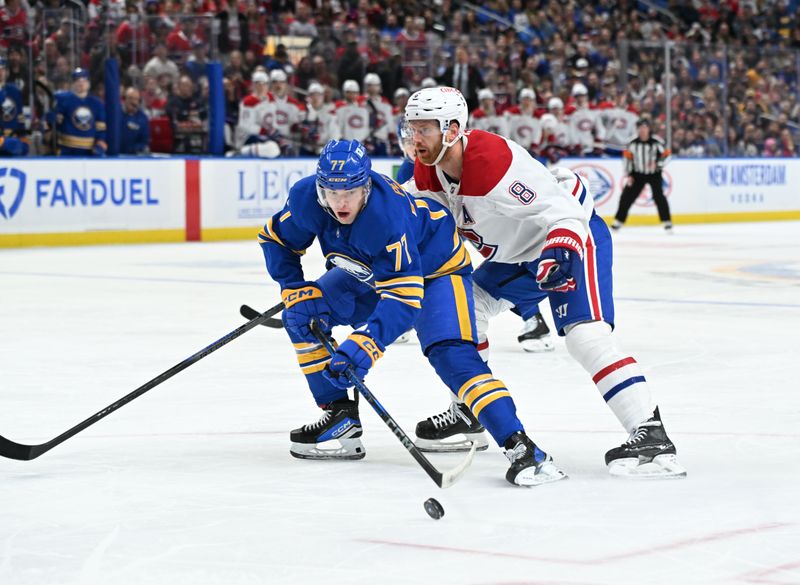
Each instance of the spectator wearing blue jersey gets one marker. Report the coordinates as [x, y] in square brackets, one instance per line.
[135, 135]
[12, 121]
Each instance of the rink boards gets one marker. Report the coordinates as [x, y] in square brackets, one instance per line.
[85, 201]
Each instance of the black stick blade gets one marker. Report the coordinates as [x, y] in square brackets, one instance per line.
[13, 450]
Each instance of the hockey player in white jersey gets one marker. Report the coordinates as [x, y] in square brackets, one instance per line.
[351, 115]
[486, 116]
[541, 237]
[256, 112]
[380, 116]
[289, 112]
[319, 124]
[524, 127]
[586, 126]
[556, 139]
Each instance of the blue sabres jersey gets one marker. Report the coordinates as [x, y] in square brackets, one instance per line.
[394, 244]
[80, 121]
[12, 120]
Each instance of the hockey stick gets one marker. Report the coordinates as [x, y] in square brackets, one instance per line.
[249, 312]
[13, 450]
[443, 479]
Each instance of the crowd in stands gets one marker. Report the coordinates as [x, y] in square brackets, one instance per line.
[714, 77]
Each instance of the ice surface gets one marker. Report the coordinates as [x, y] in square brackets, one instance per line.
[192, 483]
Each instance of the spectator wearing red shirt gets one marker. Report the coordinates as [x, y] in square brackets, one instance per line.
[13, 24]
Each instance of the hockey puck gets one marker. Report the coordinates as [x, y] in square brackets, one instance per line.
[434, 508]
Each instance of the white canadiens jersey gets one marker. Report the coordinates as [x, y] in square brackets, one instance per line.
[620, 126]
[506, 203]
[353, 121]
[586, 129]
[557, 133]
[255, 114]
[525, 129]
[288, 113]
[321, 127]
[490, 122]
[381, 117]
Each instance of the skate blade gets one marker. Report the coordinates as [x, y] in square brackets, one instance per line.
[349, 449]
[546, 473]
[661, 467]
[455, 446]
[537, 345]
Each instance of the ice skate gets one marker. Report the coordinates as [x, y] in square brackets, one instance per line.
[334, 436]
[648, 453]
[535, 335]
[454, 430]
[530, 466]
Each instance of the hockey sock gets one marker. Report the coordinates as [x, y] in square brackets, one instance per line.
[459, 366]
[617, 376]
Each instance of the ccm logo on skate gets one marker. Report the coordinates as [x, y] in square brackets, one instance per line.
[342, 429]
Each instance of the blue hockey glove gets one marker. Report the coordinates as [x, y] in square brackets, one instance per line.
[360, 351]
[560, 266]
[303, 302]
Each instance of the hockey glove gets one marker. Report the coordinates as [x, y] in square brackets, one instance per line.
[560, 266]
[360, 351]
[303, 302]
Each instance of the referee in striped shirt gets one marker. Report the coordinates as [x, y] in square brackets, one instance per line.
[645, 157]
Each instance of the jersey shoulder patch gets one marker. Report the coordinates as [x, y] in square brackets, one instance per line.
[487, 159]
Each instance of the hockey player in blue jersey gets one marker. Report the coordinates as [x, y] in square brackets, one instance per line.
[12, 121]
[393, 262]
[79, 119]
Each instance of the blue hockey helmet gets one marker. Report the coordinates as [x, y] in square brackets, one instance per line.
[80, 73]
[343, 165]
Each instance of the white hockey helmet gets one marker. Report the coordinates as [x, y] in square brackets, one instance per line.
[372, 79]
[315, 87]
[527, 92]
[400, 92]
[428, 82]
[555, 103]
[350, 85]
[579, 89]
[443, 104]
[485, 94]
[278, 75]
[548, 121]
[259, 76]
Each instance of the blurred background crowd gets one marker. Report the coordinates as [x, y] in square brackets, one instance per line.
[715, 78]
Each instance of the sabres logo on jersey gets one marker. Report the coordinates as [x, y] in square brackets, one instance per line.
[9, 110]
[82, 118]
[352, 267]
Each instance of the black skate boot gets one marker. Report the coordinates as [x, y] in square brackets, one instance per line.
[530, 465]
[535, 335]
[647, 453]
[456, 423]
[339, 422]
